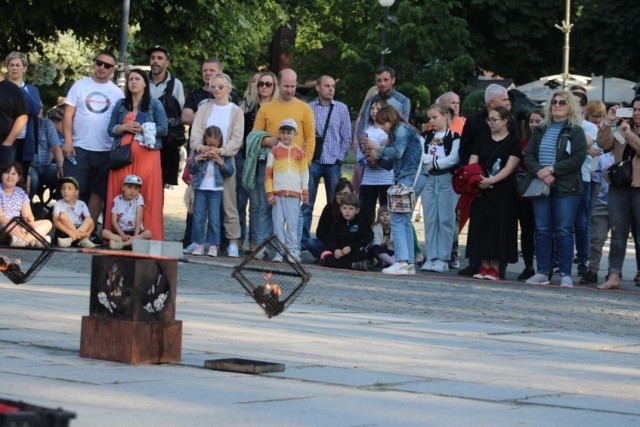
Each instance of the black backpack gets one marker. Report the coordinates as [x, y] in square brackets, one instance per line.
[175, 137]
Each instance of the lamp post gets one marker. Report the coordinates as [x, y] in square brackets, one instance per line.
[566, 29]
[386, 4]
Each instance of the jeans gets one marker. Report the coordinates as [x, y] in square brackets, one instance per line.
[599, 230]
[43, 175]
[206, 207]
[554, 218]
[330, 174]
[439, 207]
[582, 223]
[401, 227]
[260, 222]
[623, 204]
[316, 247]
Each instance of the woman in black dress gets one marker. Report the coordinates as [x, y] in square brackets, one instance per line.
[493, 228]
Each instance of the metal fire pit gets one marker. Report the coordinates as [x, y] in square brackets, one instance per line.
[20, 264]
[273, 284]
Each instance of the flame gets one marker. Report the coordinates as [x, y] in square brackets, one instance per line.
[6, 263]
[273, 288]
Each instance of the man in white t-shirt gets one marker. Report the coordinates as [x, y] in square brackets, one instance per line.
[87, 113]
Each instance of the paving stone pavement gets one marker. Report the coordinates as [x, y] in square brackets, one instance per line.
[360, 349]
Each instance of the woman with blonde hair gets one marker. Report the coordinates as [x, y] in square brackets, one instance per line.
[555, 154]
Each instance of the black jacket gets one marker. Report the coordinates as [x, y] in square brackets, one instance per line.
[356, 234]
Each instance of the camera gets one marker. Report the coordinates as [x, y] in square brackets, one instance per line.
[624, 113]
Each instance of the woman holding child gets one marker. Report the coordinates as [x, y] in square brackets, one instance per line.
[230, 119]
[129, 126]
[404, 148]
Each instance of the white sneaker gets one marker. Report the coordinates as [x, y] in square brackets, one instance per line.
[277, 258]
[566, 282]
[427, 266]
[114, 244]
[397, 269]
[295, 256]
[84, 243]
[189, 249]
[440, 266]
[64, 242]
[198, 250]
[538, 279]
[213, 251]
[410, 268]
[232, 251]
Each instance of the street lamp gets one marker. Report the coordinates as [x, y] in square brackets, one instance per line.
[386, 4]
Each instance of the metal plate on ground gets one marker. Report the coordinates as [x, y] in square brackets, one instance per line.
[243, 366]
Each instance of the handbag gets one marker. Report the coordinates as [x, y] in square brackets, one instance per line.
[538, 188]
[401, 199]
[620, 174]
[523, 180]
[120, 156]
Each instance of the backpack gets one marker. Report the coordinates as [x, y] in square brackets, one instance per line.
[175, 136]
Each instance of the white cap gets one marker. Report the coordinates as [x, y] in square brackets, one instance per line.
[133, 179]
[289, 124]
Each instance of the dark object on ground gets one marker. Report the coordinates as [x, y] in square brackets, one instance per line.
[15, 413]
[243, 366]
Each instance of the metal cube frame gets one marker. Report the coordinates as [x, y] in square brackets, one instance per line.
[20, 264]
[271, 276]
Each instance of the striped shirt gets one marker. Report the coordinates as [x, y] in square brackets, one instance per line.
[547, 150]
[338, 138]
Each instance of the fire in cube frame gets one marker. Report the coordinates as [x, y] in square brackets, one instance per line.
[20, 264]
[271, 276]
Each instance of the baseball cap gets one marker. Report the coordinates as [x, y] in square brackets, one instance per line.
[133, 179]
[289, 124]
[71, 179]
[158, 48]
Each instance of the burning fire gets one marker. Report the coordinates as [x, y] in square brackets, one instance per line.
[272, 288]
[6, 263]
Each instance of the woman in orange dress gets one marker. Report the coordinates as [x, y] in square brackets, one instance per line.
[132, 123]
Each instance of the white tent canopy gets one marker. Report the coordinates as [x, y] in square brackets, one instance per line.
[616, 90]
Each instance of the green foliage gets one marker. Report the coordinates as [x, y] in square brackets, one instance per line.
[473, 103]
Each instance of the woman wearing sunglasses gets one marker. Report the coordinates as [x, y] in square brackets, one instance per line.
[230, 119]
[555, 154]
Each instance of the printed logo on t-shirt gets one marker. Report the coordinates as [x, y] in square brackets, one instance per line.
[97, 102]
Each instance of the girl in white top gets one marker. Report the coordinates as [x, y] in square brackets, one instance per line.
[438, 198]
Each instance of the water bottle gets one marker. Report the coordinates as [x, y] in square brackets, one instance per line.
[72, 160]
[495, 169]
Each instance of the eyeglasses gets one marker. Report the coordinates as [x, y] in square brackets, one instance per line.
[219, 87]
[265, 84]
[103, 64]
[491, 120]
[558, 102]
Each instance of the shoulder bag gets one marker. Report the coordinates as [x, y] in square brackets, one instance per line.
[120, 156]
[401, 199]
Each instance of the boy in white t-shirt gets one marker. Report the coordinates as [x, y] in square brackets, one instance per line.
[71, 216]
[126, 215]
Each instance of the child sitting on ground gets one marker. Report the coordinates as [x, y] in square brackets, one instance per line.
[126, 215]
[349, 239]
[71, 216]
[382, 247]
[208, 170]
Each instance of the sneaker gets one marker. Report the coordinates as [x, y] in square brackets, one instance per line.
[480, 274]
[589, 278]
[440, 266]
[397, 269]
[454, 262]
[232, 251]
[410, 268]
[213, 251]
[566, 282]
[526, 273]
[428, 265]
[95, 239]
[491, 274]
[189, 249]
[583, 270]
[468, 271]
[84, 243]
[538, 279]
[277, 258]
[360, 266]
[114, 244]
[65, 242]
[198, 250]
[295, 257]
[324, 255]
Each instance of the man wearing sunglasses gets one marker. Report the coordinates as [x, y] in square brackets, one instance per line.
[87, 113]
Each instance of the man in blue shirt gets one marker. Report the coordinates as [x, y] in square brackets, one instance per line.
[333, 139]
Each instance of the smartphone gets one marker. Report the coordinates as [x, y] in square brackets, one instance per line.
[624, 113]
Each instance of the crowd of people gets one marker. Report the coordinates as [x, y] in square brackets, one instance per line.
[254, 166]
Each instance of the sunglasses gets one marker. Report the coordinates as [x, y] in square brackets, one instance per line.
[265, 84]
[219, 87]
[558, 102]
[103, 64]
